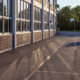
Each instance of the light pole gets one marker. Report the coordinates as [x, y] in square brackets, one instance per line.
[72, 19]
[74, 25]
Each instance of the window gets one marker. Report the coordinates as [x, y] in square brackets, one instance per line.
[45, 26]
[18, 8]
[23, 25]
[28, 26]
[37, 18]
[28, 11]
[39, 26]
[18, 26]
[45, 16]
[10, 25]
[34, 13]
[51, 2]
[51, 26]
[0, 7]
[5, 8]
[0, 25]
[24, 11]
[34, 25]
[6, 25]
[51, 21]
[45, 20]
[10, 8]
[6, 20]
[21, 9]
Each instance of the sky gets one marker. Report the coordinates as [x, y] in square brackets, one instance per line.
[72, 3]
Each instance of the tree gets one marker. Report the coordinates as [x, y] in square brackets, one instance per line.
[64, 16]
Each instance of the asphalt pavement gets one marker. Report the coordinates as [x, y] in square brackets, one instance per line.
[55, 58]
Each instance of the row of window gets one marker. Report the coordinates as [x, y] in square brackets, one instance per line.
[22, 26]
[23, 10]
[6, 8]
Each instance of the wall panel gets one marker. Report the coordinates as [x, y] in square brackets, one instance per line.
[6, 42]
[46, 34]
[37, 36]
[23, 38]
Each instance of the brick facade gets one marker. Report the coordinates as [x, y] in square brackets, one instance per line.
[6, 42]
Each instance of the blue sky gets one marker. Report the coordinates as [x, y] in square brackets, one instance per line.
[72, 3]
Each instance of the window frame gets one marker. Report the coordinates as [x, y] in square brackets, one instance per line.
[6, 17]
[51, 24]
[37, 19]
[24, 19]
[46, 20]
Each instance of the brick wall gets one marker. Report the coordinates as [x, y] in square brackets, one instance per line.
[51, 33]
[23, 38]
[55, 31]
[6, 42]
[37, 35]
[46, 34]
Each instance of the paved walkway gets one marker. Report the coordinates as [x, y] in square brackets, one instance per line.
[56, 58]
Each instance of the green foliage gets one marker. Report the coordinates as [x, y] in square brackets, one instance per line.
[64, 15]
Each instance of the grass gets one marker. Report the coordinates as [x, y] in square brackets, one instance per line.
[71, 30]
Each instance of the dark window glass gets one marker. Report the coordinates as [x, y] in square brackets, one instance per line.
[34, 13]
[45, 26]
[21, 9]
[5, 7]
[0, 25]
[18, 26]
[28, 11]
[23, 25]
[24, 10]
[34, 25]
[10, 8]
[28, 26]
[39, 26]
[0, 7]
[39, 15]
[45, 16]
[18, 8]
[51, 26]
[51, 17]
[6, 25]
[10, 25]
